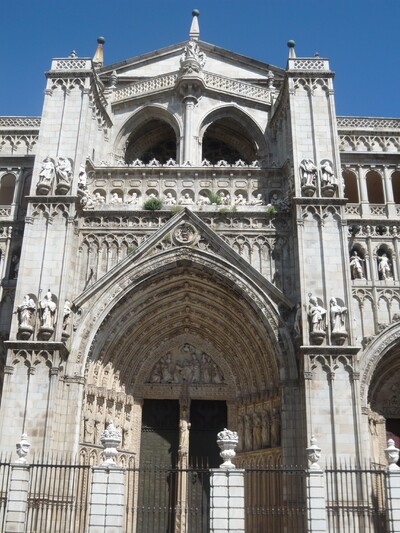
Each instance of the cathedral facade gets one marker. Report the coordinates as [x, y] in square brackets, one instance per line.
[191, 240]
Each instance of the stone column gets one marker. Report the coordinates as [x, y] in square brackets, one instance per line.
[227, 506]
[393, 488]
[390, 205]
[316, 505]
[189, 102]
[365, 209]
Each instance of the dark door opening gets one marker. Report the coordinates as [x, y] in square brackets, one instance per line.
[207, 418]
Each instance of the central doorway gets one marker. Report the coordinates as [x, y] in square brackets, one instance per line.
[173, 496]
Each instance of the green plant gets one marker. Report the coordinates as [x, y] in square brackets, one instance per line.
[153, 204]
[223, 210]
[214, 198]
[132, 248]
[271, 210]
[176, 209]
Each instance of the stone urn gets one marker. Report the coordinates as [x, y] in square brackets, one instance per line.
[227, 441]
[392, 455]
[314, 454]
[110, 439]
[22, 449]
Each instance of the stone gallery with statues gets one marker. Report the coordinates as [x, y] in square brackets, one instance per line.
[193, 240]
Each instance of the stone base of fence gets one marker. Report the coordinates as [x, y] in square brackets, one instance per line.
[106, 510]
[393, 490]
[316, 504]
[227, 510]
[17, 501]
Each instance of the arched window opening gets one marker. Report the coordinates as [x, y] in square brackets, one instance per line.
[25, 191]
[153, 140]
[7, 187]
[350, 187]
[396, 187]
[227, 140]
[375, 188]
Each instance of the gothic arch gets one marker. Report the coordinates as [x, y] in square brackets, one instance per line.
[185, 292]
[249, 130]
[139, 118]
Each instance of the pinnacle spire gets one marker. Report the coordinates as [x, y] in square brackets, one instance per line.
[194, 32]
[291, 44]
[98, 58]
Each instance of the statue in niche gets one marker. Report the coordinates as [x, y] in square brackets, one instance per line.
[115, 199]
[82, 180]
[67, 312]
[257, 444]
[89, 427]
[98, 199]
[248, 437]
[26, 312]
[14, 266]
[184, 430]
[266, 429]
[257, 200]
[327, 175]
[317, 315]
[48, 311]
[239, 200]
[46, 176]
[356, 266]
[338, 314]
[169, 199]
[186, 199]
[63, 174]
[275, 428]
[134, 200]
[384, 267]
[308, 173]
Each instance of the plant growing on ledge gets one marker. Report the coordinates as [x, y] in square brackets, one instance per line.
[271, 210]
[153, 204]
[214, 198]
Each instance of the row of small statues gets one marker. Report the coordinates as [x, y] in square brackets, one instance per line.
[309, 174]
[357, 267]
[47, 309]
[172, 163]
[89, 201]
[259, 430]
[59, 169]
[317, 316]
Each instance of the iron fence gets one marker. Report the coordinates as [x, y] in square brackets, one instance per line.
[165, 499]
[275, 500]
[356, 499]
[5, 471]
[58, 498]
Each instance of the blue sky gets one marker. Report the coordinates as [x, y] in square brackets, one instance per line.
[359, 37]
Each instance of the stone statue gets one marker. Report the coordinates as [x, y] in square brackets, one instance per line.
[266, 429]
[338, 314]
[98, 199]
[184, 427]
[384, 268]
[26, 312]
[317, 315]
[134, 200]
[257, 440]
[185, 199]
[356, 267]
[82, 179]
[297, 321]
[248, 436]
[48, 311]
[115, 199]
[67, 312]
[327, 174]
[240, 200]
[47, 173]
[308, 173]
[169, 199]
[63, 170]
[257, 200]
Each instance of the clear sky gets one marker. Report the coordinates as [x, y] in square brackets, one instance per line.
[360, 37]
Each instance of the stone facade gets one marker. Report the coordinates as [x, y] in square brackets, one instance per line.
[265, 276]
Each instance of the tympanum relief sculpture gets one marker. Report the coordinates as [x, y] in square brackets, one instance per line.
[186, 365]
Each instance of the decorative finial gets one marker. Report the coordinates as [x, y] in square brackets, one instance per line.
[314, 454]
[194, 32]
[110, 439]
[392, 455]
[98, 56]
[291, 44]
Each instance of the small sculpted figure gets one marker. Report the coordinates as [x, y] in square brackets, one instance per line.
[47, 172]
[240, 200]
[384, 268]
[48, 314]
[186, 200]
[26, 311]
[317, 315]
[356, 267]
[67, 312]
[169, 199]
[308, 172]
[98, 199]
[64, 170]
[134, 200]
[257, 200]
[115, 199]
[82, 179]
[327, 174]
[338, 314]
